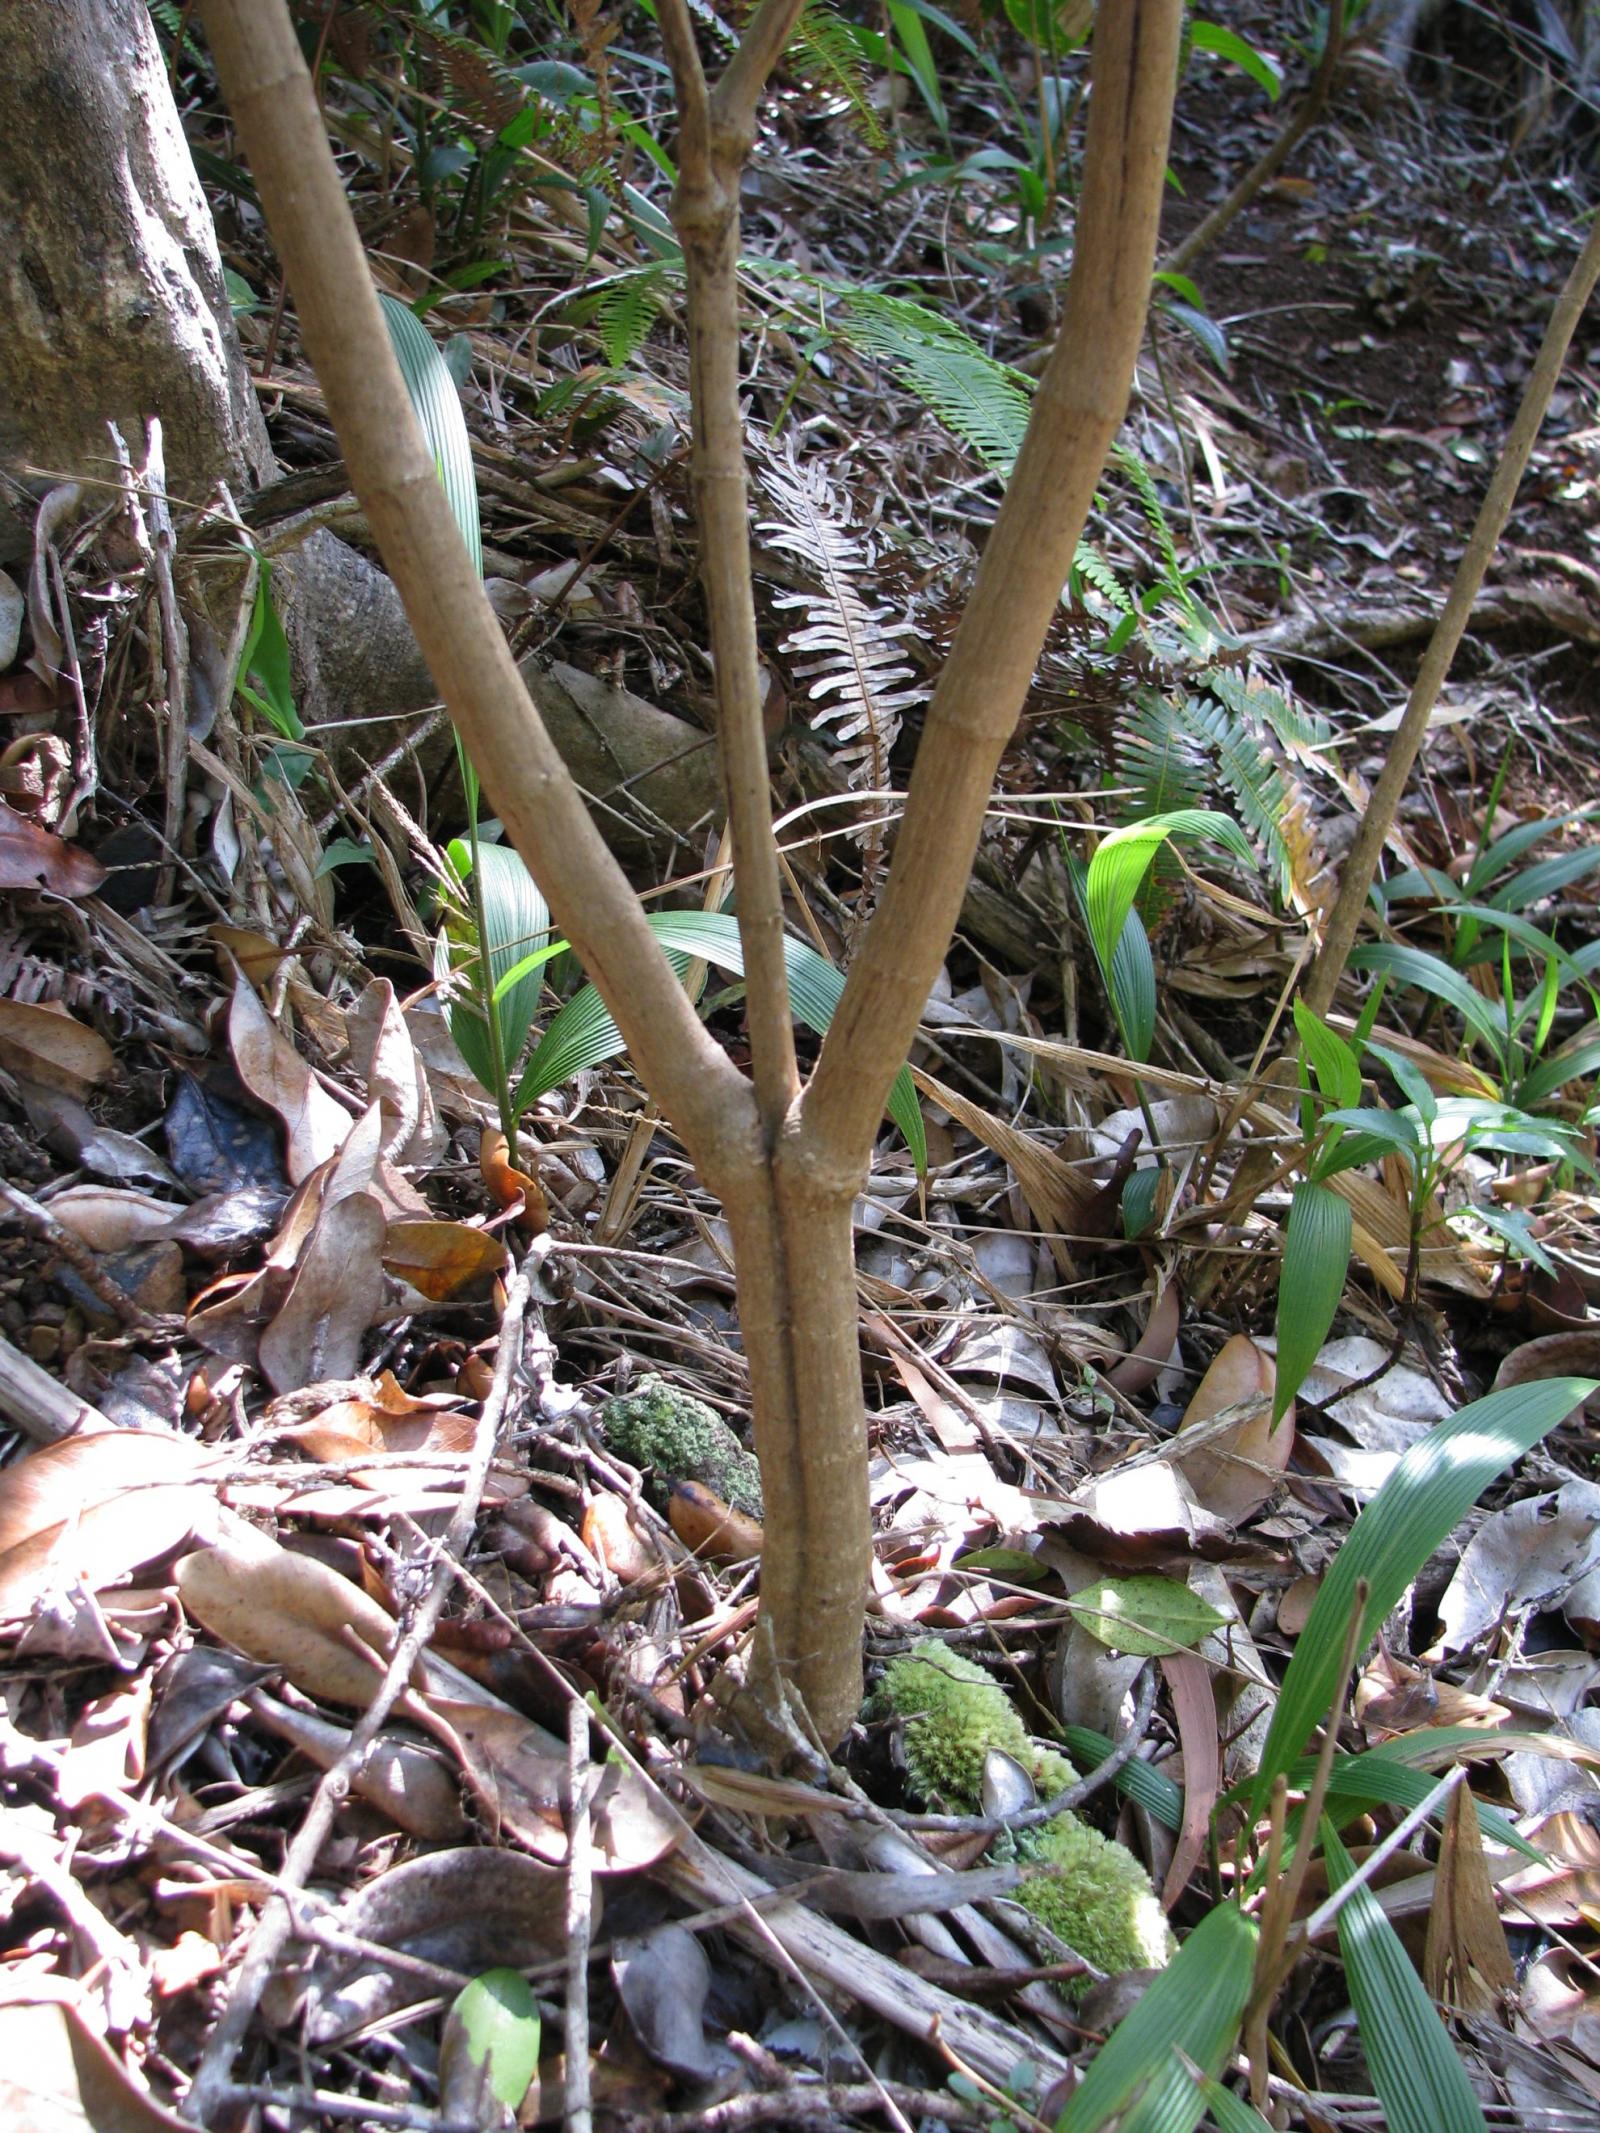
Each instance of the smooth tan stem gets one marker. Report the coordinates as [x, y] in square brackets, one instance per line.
[1079, 408]
[714, 138]
[270, 95]
[1372, 831]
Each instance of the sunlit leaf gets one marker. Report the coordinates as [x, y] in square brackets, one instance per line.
[1316, 1258]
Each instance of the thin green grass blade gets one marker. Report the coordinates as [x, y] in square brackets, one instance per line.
[1424, 1499]
[1316, 1258]
[1194, 2006]
[1415, 2068]
[1413, 966]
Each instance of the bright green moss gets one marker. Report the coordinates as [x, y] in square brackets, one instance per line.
[1090, 1891]
[679, 1438]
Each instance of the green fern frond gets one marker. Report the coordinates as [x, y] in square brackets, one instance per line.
[625, 311]
[1144, 488]
[1090, 565]
[823, 51]
[985, 403]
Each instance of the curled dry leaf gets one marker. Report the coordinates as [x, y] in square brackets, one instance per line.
[712, 1528]
[519, 1775]
[46, 1044]
[108, 1219]
[97, 1506]
[35, 858]
[612, 1539]
[509, 1185]
[275, 1074]
[370, 1415]
[1234, 1468]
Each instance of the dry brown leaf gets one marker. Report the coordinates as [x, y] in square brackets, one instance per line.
[35, 858]
[1382, 1239]
[519, 1776]
[1467, 1963]
[56, 2076]
[710, 1527]
[336, 1294]
[408, 1781]
[272, 1070]
[1235, 1470]
[446, 1262]
[109, 1218]
[97, 1506]
[383, 1054]
[288, 1611]
[612, 1539]
[256, 954]
[46, 1044]
[509, 1185]
[372, 1415]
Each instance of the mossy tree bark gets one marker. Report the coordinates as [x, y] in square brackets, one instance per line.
[786, 1161]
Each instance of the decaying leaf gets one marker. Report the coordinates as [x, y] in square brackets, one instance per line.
[275, 1074]
[97, 1506]
[1236, 1467]
[56, 2075]
[48, 1045]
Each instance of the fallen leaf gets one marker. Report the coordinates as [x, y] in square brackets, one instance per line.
[97, 1506]
[275, 1074]
[509, 1185]
[712, 1528]
[336, 1294]
[56, 2076]
[48, 1045]
[35, 858]
[663, 1980]
[1234, 1469]
[444, 1261]
[519, 1775]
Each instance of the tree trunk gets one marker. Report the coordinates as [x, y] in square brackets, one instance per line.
[786, 1167]
[111, 289]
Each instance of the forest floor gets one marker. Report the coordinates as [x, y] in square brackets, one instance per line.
[284, 1325]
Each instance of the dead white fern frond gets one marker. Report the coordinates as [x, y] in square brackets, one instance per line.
[855, 669]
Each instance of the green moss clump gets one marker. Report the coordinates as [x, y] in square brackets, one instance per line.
[678, 1438]
[1090, 1891]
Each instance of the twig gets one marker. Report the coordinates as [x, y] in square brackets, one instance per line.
[277, 1920]
[324, 2104]
[84, 1263]
[579, 2116]
[1372, 830]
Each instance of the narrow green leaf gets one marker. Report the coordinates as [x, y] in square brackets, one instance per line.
[1413, 966]
[1228, 44]
[1316, 1258]
[1195, 2006]
[1424, 1499]
[1123, 858]
[438, 409]
[1335, 1065]
[1131, 982]
[1415, 2068]
[1230, 2113]
[1143, 1783]
[1378, 1778]
[583, 1034]
[1146, 1614]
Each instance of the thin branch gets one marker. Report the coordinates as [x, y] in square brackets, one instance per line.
[1076, 415]
[1372, 831]
[273, 104]
[705, 212]
[1307, 113]
[277, 1920]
